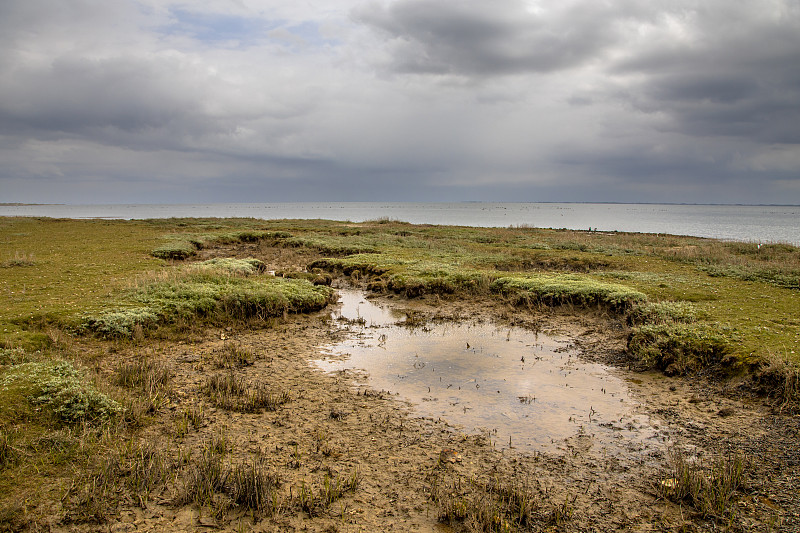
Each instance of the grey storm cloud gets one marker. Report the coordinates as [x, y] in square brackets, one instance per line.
[405, 99]
[477, 38]
[736, 73]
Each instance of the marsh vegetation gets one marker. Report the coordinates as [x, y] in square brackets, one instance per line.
[156, 373]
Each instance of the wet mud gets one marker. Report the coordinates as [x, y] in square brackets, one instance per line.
[374, 389]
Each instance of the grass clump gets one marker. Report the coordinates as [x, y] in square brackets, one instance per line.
[679, 349]
[60, 389]
[151, 378]
[709, 488]
[19, 260]
[189, 295]
[176, 250]
[567, 289]
[233, 393]
[8, 453]
[496, 506]
[252, 485]
[230, 265]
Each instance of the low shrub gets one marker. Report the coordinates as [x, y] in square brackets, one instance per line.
[61, 389]
[122, 323]
[230, 265]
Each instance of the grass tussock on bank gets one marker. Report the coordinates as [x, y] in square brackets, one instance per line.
[214, 292]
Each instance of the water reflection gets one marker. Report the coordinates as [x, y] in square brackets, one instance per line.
[526, 390]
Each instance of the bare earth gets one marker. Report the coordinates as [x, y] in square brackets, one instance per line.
[332, 427]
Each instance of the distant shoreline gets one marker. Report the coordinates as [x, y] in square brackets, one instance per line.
[20, 204]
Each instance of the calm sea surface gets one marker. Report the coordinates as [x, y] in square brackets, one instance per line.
[733, 222]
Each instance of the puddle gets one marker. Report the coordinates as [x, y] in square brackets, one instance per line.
[524, 390]
[353, 307]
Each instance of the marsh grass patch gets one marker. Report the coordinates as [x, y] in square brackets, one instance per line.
[678, 349]
[666, 312]
[554, 290]
[232, 392]
[711, 488]
[208, 295]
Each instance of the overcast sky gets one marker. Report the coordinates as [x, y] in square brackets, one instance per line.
[161, 101]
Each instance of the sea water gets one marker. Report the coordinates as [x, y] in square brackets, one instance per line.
[730, 222]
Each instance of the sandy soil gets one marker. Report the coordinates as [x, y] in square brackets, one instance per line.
[331, 427]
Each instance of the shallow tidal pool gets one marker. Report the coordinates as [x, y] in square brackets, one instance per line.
[524, 390]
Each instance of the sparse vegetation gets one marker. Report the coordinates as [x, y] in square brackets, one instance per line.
[710, 489]
[496, 506]
[232, 392]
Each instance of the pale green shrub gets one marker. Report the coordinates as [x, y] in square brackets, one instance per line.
[120, 323]
[60, 388]
[230, 265]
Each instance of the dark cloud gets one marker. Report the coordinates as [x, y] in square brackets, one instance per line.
[478, 38]
[735, 73]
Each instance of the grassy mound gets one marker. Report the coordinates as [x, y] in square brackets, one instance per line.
[567, 289]
[210, 293]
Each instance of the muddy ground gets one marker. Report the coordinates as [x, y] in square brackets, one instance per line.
[330, 427]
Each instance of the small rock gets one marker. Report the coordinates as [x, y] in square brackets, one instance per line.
[448, 455]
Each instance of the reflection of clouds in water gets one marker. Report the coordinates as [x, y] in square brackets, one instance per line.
[527, 388]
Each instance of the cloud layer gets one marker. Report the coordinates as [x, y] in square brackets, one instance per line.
[165, 101]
